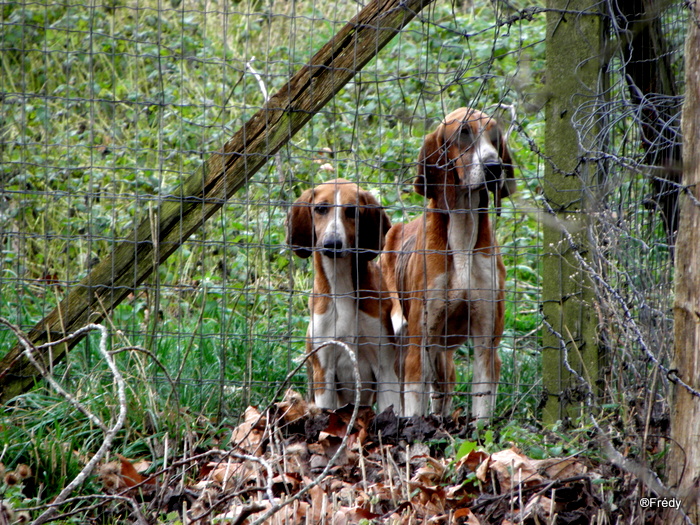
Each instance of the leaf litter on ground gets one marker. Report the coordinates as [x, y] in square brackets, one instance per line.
[392, 470]
[295, 464]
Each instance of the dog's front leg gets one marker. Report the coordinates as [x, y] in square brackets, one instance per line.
[324, 375]
[444, 377]
[417, 376]
[388, 384]
[487, 313]
[486, 372]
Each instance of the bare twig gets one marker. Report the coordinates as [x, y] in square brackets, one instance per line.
[30, 350]
[110, 433]
[246, 511]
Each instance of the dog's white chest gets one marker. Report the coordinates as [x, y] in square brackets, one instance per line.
[461, 238]
[461, 277]
[338, 322]
[342, 321]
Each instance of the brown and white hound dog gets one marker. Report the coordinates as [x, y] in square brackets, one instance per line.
[344, 228]
[445, 266]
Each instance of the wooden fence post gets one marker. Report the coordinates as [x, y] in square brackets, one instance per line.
[683, 461]
[574, 57]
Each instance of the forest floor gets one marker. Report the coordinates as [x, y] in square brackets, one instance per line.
[295, 464]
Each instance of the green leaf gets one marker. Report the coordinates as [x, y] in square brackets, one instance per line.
[465, 448]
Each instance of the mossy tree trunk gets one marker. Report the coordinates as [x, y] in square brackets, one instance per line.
[574, 57]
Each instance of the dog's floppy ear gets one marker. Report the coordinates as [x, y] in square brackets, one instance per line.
[429, 164]
[508, 184]
[300, 227]
[372, 227]
[436, 179]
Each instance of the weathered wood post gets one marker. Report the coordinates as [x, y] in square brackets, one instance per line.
[574, 57]
[684, 458]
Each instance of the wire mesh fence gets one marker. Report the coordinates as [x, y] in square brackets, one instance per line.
[637, 148]
[107, 108]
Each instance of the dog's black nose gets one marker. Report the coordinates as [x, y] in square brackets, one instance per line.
[493, 174]
[333, 247]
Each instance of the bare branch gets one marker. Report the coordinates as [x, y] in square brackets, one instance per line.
[110, 433]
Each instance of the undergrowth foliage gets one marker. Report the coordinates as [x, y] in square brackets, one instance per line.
[111, 107]
[106, 107]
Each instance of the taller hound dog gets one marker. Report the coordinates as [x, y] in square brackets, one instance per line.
[445, 266]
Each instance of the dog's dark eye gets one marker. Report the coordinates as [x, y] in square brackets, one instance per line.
[466, 138]
[350, 212]
[495, 138]
[321, 209]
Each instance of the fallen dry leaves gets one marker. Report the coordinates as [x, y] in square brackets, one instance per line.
[117, 476]
[384, 473]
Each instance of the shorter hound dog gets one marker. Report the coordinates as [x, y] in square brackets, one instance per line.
[344, 228]
[445, 266]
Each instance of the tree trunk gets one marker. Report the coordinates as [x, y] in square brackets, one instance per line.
[684, 460]
[569, 340]
[653, 89]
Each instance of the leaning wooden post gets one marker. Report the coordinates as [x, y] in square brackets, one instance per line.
[202, 194]
[574, 56]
